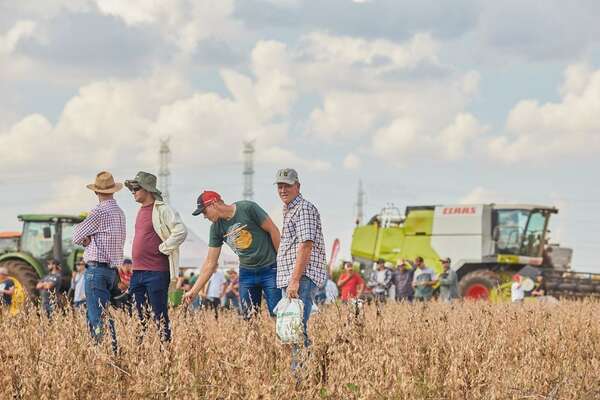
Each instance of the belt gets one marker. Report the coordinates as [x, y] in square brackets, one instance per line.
[97, 264]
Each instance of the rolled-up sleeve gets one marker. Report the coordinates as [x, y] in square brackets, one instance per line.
[87, 227]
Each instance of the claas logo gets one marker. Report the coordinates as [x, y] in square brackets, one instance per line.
[459, 210]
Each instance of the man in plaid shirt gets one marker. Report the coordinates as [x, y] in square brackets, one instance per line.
[301, 266]
[103, 235]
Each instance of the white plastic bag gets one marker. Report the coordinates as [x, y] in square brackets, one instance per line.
[289, 314]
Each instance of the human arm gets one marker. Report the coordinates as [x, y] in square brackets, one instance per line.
[269, 226]
[343, 279]
[208, 268]
[87, 228]
[176, 227]
[302, 259]
[360, 287]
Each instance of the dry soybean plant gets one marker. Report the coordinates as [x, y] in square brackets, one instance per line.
[422, 351]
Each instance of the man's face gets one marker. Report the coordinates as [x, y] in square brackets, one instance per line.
[419, 263]
[380, 266]
[445, 265]
[287, 193]
[51, 267]
[140, 195]
[210, 213]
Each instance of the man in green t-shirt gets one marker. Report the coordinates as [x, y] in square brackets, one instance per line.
[253, 236]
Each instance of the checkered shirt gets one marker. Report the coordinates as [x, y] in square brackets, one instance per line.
[301, 223]
[105, 225]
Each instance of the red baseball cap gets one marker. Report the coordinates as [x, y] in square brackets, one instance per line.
[206, 198]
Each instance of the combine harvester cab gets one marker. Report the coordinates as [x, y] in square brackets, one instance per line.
[487, 243]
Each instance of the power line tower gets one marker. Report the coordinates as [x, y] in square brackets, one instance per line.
[164, 173]
[360, 203]
[248, 170]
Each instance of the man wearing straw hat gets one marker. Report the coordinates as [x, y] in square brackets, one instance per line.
[103, 235]
[159, 231]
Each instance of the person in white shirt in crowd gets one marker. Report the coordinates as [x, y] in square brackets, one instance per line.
[213, 291]
[380, 281]
[517, 293]
[78, 284]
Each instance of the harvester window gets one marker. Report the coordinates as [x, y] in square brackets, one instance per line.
[508, 230]
[534, 235]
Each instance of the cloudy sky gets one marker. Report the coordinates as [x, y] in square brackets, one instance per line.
[427, 102]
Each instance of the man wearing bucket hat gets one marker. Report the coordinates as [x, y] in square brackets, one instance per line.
[103, 235]
[252, 235]
[159, 231]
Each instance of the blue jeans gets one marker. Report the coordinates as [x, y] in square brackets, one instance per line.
[253, 283]
[151, 288]
[306, 293]
[98, 282]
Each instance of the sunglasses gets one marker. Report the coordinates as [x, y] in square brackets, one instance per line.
[134, 189]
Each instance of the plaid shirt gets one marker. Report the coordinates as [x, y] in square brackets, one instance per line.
[301, 223]
[105, 225]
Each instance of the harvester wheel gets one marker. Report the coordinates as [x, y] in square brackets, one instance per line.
[478, 285]
[26, 278]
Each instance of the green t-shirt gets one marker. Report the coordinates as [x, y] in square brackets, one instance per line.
[244, 235]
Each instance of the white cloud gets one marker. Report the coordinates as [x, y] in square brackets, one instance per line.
[119, 122]
[399, 139]
[286, 158]
[375, 89]
[352, 161]
[9, 41]
[482, 195]
[459, 134]
[69, 194]
[184, 22]
[569, 127]
[380, 54]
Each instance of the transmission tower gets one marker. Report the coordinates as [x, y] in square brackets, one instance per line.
[248, 170]
[164, 173]
[360, 203]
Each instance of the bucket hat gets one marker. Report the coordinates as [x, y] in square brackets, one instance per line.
[146, 181]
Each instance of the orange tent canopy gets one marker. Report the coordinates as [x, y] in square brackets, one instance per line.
[8, 235]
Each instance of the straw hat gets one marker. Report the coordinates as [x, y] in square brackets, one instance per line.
[105, 183]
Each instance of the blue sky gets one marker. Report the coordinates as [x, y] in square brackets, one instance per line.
[426, 102]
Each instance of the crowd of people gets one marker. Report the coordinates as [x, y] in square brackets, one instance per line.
[272, 263]
[409, 281]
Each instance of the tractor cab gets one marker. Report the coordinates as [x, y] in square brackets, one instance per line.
[520, 232]
[49, 236]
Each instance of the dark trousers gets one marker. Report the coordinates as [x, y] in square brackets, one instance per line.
[150, 291]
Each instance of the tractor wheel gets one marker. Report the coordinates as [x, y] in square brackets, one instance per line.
[25, 279]
[479, 285]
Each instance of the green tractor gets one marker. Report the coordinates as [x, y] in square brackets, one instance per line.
[44, 236]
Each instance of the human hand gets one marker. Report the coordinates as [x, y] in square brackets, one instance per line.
[189, 297]
[86, 241]
[292, 289]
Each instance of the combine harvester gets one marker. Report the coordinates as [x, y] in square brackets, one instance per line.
[488, 243]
